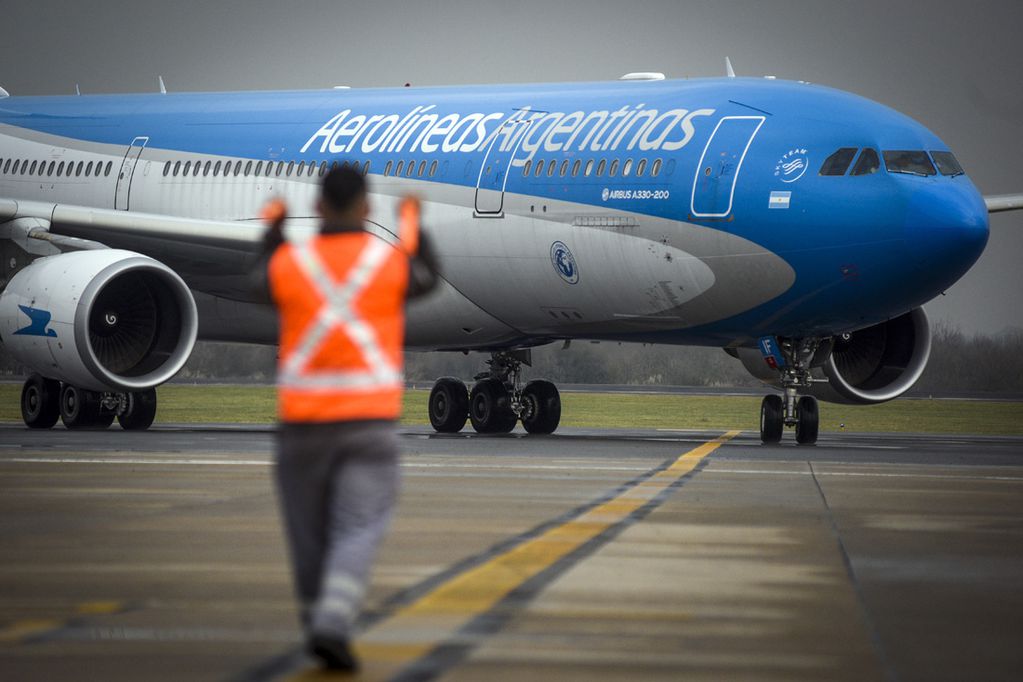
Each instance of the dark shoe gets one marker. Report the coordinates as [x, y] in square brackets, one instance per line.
[333, 652]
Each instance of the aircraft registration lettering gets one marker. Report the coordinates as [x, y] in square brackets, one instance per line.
[422, 130]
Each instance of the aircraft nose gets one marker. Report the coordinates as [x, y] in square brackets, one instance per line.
[946, 231]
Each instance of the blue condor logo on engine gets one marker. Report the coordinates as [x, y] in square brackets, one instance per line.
[421, 130]
[38, 321]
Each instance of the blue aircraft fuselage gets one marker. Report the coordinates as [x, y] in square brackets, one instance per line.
[735, 163]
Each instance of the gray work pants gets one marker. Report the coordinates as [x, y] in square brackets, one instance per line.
[337, 483]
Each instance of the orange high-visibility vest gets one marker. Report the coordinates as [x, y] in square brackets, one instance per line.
[340, 301]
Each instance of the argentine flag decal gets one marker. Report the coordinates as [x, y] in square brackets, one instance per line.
[779, 200]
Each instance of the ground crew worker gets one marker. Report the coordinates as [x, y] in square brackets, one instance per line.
[340, 300]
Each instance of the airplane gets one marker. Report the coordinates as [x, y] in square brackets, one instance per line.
[798, 227]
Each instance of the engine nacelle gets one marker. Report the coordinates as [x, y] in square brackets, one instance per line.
[103, 320]
[868, 366]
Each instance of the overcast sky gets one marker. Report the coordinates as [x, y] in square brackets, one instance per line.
[955, 66]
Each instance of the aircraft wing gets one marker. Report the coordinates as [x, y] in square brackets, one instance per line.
[211, 256]
[1004, 202]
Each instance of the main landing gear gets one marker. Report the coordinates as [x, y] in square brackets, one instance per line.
[44, 401]
[791, 410]
[496, 402]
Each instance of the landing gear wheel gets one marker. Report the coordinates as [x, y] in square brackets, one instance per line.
[771, 419]
[490, 407]
[79, 408]
[542, 407]
[40, 402]
[141, 411]
[449, 405]
[808, 420]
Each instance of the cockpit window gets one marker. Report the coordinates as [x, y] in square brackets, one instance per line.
[947, 163]
[912, 162]
[838, 163]
[867, 164]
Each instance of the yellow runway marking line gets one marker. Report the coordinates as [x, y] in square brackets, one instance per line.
[437, 617]
[22, 630]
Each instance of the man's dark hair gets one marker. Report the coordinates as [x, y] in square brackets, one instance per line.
[342, 187]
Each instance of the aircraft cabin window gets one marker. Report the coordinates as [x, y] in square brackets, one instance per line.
[600, 167]
[551, 167]
[365, 167]
[49, 171]
[196, 168]
[69, 169]
[291, 168]
[838, 163]
[564, 168]
[237, 168]
[908, 161]
[589, 168]
[947, 163]
[627, 167]
[433, 167]
[334, 165]
[216, 169]
[187, 169]
[301, 169]
[422, 168]
[525, 168]
[613, 170]
[538, 170]
[78, 169]
[42, 168]
[7, 166]
[32, 170]
[575, 167]
[177, 167]
[60, 168]
[387, 168]
[655, 169]
[399, 168]
[259, 169]
[88, 169]
[640, 168]
[248, 168]
[410, 168]
[110, 165]
[323, 169]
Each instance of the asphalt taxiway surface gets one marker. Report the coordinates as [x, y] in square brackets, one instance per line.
[589, 555]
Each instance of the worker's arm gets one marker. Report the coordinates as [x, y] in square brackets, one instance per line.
[424, 273]
[274, 214]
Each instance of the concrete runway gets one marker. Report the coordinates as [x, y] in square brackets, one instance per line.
[590, 555]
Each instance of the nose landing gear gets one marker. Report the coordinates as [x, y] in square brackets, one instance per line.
[792, 411]
[496, 402]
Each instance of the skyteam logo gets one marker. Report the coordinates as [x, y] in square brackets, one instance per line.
[38, 320]
[564, 262]
[792, 165]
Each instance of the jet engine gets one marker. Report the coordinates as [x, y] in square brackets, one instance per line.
[102, 320]
[871, 365]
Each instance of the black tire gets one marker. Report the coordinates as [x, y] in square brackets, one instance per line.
[40, 402]
[141, 411]
[79, 408]
[808, 420]
[542, 404]
[772, 419]
[449, 405]
[490, 407]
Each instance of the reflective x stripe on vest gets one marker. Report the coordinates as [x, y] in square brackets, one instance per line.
[338, 312]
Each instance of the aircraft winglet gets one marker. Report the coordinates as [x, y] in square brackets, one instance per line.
[163, 88]
[729, 71]
[4, 93]
[78, 90]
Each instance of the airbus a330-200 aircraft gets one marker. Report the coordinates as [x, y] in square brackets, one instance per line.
[798, 227]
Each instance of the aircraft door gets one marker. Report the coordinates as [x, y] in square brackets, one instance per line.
[718, 170]
[493, 177]
[131, 157]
